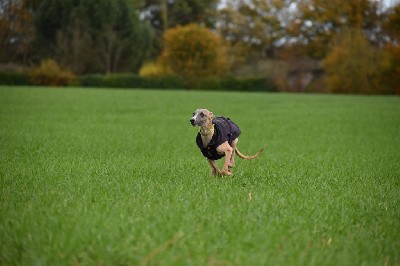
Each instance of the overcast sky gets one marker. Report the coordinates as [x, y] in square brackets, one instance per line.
[388, 3]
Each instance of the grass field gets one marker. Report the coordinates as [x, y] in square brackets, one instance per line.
[114, 177]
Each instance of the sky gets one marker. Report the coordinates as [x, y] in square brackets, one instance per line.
[389, 3]
[386, 3]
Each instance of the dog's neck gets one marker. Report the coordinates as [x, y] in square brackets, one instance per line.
[207, 132]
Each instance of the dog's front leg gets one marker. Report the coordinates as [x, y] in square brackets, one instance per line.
[227, 149]
[214, 167]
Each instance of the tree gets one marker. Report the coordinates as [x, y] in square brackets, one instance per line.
[193, 51]
[16, 31]
[254, 24]
[110, 30]
[391, 77]
[74, 49]
[391, 24]
[353, 65]
[165, 14]
[318, 21]
[254, 29]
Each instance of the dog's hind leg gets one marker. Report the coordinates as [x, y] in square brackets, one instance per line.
[227, 150]
[232, 160]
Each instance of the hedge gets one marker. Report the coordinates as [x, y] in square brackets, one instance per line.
[14, 78]
[130, 81]
[234, 84]
[167, 82]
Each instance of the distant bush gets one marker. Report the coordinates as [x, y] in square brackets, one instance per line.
[273, 70]
[93, 80]
[248, 84]
[14, 78]
[154, 69]
[51, 74]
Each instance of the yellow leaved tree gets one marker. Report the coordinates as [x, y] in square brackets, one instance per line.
[193, 51]
[353, 65]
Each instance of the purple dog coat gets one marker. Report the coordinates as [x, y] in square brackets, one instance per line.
[224, 130]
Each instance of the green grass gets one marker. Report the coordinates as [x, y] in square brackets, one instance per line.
[114, 177]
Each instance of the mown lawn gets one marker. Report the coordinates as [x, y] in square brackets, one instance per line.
[114, 177]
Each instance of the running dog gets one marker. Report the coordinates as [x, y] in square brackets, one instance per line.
[218, 137]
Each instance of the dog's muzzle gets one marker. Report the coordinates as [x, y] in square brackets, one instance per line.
[192, 121]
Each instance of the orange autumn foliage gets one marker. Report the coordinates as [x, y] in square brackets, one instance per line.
[49, 73]
[353, 65]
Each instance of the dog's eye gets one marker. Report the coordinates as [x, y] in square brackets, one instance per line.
[202, 115]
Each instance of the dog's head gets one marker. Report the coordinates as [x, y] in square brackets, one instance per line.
[200, 117]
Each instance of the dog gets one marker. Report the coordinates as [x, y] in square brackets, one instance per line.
[218, 137]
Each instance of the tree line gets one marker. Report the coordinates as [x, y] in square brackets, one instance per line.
[355, 42]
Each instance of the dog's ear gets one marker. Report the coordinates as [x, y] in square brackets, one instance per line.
[211, 115]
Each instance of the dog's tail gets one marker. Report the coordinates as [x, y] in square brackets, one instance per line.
[248, 157]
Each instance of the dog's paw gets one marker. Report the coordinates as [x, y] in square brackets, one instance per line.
[216, 173]
[226, 172]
